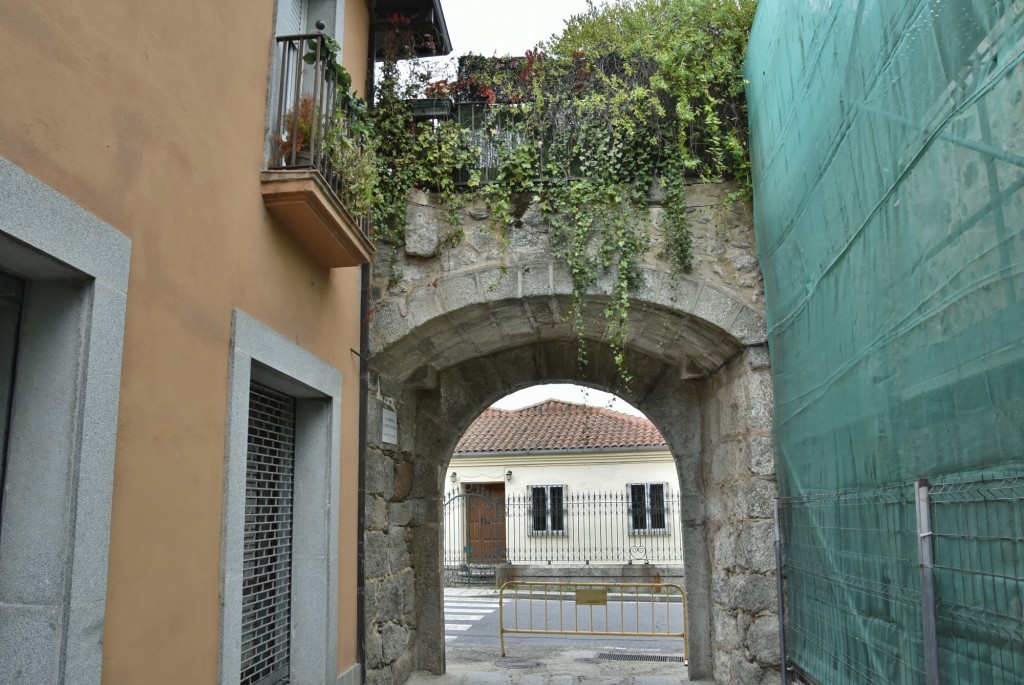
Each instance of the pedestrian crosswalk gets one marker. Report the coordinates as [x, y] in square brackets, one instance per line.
[463, 608]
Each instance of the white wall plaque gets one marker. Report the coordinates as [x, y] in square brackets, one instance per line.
[389, 426]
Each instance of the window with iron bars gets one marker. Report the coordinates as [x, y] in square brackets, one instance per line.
[647, 508]
[547, 510]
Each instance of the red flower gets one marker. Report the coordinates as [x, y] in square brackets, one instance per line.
[441, 88]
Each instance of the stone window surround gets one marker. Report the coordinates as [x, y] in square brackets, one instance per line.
[53, 573]
[260, 353]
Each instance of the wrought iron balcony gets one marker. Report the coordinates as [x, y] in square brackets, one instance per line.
[301, 185]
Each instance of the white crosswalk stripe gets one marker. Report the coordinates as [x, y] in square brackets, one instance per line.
[461, 611]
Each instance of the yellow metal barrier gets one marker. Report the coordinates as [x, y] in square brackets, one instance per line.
[643, 610]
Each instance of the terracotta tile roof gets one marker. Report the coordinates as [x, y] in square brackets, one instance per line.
[556, 425]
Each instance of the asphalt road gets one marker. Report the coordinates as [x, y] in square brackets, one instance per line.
[472, 622]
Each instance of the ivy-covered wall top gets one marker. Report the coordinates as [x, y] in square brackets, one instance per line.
[629, 96]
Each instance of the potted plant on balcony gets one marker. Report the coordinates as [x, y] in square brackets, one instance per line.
[296, 137]
[293, 143]
[436, 104]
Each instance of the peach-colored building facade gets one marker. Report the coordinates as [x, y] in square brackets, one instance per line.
[150, 291]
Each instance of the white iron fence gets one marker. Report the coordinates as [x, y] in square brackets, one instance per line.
[549, 524]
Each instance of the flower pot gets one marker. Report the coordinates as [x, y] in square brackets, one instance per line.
[431, 108]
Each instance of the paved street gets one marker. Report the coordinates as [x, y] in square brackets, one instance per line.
[472, 619]
[474, 655]
[471, 615]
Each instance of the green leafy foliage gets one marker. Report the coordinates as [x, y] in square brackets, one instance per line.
[351, 150]
[347, 135]
[328, 51]
[629, 94]
[414, 154]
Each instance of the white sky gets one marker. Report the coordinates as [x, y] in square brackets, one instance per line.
[568, 393]
[489, 27]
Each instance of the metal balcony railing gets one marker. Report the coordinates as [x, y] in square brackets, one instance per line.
[493, 130]
[305, 109]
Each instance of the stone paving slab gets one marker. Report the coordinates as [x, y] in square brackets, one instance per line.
[493, 678]
[551, 666]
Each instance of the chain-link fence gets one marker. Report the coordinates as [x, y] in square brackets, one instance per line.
[902, 583]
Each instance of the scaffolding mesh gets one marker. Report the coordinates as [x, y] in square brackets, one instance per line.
[887, 144]
[853, 586]
[979, 578]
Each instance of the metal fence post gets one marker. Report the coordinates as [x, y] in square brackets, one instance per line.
[781, 594]
[924, 538]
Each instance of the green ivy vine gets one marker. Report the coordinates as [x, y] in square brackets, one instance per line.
[410, 154]
[629, 95]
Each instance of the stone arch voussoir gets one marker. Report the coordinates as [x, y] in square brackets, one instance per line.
[457, 316]
[457, 328]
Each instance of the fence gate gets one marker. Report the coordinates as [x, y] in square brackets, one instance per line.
[474, 529]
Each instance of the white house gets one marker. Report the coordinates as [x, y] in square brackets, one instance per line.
[560, 484]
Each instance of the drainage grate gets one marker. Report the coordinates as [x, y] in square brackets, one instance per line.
[620, 656]
[267, 554]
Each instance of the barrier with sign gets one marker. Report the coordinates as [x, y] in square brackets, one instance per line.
[613, 609]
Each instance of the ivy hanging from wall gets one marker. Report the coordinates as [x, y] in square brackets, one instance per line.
[629, 95]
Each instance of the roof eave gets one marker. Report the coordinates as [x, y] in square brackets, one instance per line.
[425, 15]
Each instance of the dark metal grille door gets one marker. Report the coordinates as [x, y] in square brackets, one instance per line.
[11, 293]
[267, 560]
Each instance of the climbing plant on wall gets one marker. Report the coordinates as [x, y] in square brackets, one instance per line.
[409, 154]
[630, 94]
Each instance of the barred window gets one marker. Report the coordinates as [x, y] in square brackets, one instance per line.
[547, 509]
[647, 508]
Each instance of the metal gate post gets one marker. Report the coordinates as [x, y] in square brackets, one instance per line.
[924, 544]
[781, 594]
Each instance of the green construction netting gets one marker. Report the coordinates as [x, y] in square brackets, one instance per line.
[887, 141]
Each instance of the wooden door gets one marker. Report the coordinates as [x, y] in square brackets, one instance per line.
[485, 523]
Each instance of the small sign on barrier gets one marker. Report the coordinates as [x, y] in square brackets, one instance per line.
[592, 597]
[608, 609]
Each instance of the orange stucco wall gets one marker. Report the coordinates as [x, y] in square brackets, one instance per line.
[151, 116]
[357, 45]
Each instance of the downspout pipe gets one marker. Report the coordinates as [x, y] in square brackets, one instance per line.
[364, 390]
[360, 613]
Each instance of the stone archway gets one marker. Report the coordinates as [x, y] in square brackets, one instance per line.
[458, 331]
